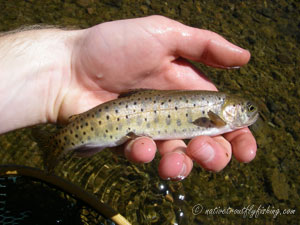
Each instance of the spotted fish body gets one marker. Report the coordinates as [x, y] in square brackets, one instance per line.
[159, 114]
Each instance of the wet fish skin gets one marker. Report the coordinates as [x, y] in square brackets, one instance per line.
[159, 114]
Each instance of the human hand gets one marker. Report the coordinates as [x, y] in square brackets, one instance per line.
[151, 52]
[61, 73]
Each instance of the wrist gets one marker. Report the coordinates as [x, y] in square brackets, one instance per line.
[34, 70]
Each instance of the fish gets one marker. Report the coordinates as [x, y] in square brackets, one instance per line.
[159, 114]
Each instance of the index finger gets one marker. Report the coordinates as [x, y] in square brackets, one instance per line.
[200, 45]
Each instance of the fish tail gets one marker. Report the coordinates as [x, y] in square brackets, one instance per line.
[49, 153]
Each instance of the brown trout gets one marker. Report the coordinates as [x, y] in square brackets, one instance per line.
[159, 114]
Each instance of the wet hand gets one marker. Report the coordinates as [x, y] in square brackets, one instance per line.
[151, 52]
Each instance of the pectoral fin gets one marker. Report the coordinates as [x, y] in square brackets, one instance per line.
[213, 120]
[217, 120]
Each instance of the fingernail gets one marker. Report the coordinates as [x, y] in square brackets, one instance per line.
[233, 67]
[205, 154]
[182, 173]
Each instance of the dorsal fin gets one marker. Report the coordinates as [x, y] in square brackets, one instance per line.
[72, 118]
[132, 92]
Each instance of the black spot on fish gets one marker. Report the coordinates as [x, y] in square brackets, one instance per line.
[186, 114]
[116, 111]
[194, 105]
[106, 131]
[170, 100]
[134, 103]
[203, 112]
[118, 119]
[81, 126]
[120, 103]
[146, 119]
[117, 128]
[72, 143]
[99, 110]
[142, 109]
[202, 98]
[77, 127]
[92, 128]
[107, 117]
[88, 114]
[176, 108]
[126, 106]
[180, 98]
[169, 116]
[126, 116]
[154, 101]
[139, 99]
[86, 124]
[99, 122]
[162, 103]
[71, 132]
[84, 133]
[155, 111]
[187, 101]
[65, 138]
[111, 136]
[76, 135]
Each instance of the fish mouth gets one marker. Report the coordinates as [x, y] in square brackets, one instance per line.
[253, 119]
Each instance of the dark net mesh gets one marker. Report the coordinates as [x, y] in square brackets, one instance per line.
[26, 200]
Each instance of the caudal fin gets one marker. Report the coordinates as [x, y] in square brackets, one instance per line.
[45, 144]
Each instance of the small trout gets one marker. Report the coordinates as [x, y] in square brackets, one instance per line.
[159, 114]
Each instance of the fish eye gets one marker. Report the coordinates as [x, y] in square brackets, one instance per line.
[251, 108]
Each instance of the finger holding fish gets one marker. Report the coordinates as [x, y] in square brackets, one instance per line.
[211, 153]
[243, 143]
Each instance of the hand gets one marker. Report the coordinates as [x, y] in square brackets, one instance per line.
[72, 71]
[149, 53]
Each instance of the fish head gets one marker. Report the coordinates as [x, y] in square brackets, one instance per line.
[238, 112]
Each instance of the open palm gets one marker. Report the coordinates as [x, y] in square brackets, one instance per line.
[151, 52]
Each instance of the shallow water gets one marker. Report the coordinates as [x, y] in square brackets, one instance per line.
[271, 31]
